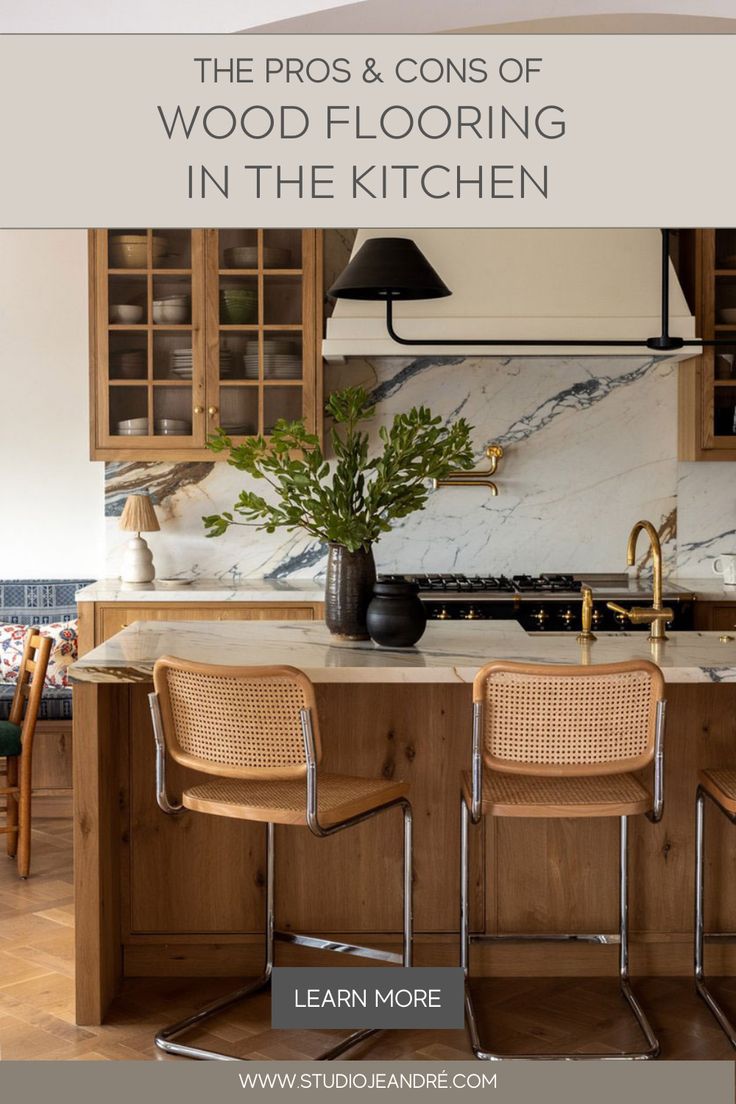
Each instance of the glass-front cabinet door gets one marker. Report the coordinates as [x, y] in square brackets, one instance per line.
[148, 340]
[261, 329]
[195, 329]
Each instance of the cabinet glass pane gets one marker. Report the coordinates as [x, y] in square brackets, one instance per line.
[238, 249]
[724, 411]
[128, 248]
[172, 411]
[282, 356]
[282, 300]
[238, 301]
[172, 301]
[282, 249]
[726, 249]
[128, 412]
[175, 250]
[239, 410]
[127, 300]
[280, 402]
[128, 355]
[173, 356]
[726, 301]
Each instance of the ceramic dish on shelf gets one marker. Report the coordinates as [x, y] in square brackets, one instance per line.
[272, 346]
[240, 429]
[127, 314]
[172, 584]
[131, 250]
[173, 312]
[246, 256]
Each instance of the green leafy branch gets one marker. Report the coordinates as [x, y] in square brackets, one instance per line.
[356, 498]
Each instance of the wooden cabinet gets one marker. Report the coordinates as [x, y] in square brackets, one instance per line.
[715, 616]
[195, 329]
[707, 384]
[98, 621]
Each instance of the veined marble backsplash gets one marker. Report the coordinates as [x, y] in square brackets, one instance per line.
[590, 447]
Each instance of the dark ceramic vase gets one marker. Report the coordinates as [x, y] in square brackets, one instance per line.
[348, 591]
[396, 617]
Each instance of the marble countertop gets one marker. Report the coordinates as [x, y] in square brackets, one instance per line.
[204, 590]
[448, 652]
[307, 590]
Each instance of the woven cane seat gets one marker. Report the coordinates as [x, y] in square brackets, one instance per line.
[721, 785]
[527, 795]
[285, 801]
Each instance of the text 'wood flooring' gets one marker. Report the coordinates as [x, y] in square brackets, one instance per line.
[37, 997]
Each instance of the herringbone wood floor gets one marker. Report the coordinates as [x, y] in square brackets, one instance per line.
[37, 1019]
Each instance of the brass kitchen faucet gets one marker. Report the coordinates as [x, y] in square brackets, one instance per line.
[656, 615]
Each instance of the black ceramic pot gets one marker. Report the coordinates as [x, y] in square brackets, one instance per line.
[348, 591]
[396, 618]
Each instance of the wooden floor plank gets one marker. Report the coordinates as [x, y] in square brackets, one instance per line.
[37, 1010]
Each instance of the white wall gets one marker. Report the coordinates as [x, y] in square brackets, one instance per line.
[51, 493]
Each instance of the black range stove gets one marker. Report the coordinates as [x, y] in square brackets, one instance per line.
[540, 603]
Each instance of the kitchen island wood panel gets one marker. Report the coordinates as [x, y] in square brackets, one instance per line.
[184, 895]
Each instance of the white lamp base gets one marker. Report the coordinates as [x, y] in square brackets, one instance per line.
[137, 565]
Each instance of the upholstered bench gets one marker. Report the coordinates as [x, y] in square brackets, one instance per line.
[43, 602]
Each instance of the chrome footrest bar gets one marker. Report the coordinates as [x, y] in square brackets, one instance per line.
[318, 944]
[543, 937]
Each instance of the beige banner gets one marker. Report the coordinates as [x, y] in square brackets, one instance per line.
[367, 130]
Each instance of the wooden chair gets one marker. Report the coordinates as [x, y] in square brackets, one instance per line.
[564, 742]
[256, 730]
[16, 745]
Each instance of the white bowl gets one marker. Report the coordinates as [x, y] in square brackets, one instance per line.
[172, 314]
[133, 423]
[126, 313]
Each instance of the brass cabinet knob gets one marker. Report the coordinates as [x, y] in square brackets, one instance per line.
[471, 614]
[199, 410]
[211, 410]
[540, 616]
[442, 614]
[566, 617]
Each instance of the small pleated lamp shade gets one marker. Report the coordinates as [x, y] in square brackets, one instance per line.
[138, 514]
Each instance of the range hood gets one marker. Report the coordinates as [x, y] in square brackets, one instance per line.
[524, 285]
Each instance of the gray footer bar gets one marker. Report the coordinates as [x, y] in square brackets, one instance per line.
[501, 1082]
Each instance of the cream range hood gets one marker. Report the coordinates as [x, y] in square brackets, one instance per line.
[522, 285]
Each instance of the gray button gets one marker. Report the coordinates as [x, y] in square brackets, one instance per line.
[368, 996]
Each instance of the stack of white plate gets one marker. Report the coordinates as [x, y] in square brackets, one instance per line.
[181, 363]
[133, 427]
[172, 427]
[276, 366]
[280, 359]
[129, 363]
[241, 429]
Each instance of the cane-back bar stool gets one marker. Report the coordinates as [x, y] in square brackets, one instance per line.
[720, 787]
[563, 742]
[16, 745]
[256, 730]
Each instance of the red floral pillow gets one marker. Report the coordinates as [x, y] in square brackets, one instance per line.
[63, 651]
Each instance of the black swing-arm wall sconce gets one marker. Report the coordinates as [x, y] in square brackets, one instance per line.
[391, 269]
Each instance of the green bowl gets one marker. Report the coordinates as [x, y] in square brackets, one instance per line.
[239, 312]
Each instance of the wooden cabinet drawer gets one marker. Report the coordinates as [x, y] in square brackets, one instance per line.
[111, 619]
[723, 615]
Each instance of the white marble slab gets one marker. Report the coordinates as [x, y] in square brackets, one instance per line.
[708, 590]
[448, 653]
[205, 590]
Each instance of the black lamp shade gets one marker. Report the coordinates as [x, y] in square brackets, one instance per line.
[389, 268]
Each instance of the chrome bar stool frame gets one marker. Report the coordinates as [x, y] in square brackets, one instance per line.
[700, 934]
[167, 1039]
[473, 814]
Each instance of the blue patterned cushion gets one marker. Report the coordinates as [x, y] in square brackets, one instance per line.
[39, 602]
[9, 738]
[56, 705]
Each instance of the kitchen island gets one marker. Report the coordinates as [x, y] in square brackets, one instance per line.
[167, 896]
